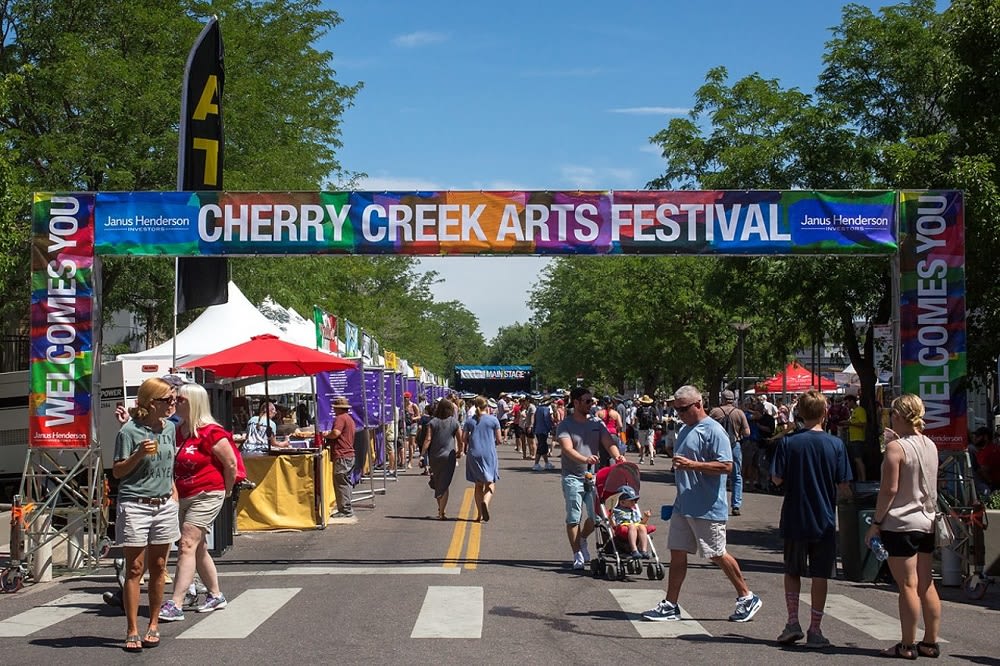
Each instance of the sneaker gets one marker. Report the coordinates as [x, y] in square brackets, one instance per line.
[816, 640]
[578, 561]
[549, 467]
[537, 468]
[746, 608]
[792, 633]
[650, 461]
[190, 601]
[664, 612]
[584, 550]
[736, 510]
[213, 604]
[636, 555]
[169, 612]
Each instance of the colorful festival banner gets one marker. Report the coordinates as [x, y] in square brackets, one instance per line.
[326, 330]
[366, 346]
[62, 302]
[351, 347]
[545, 223]
[932, 311]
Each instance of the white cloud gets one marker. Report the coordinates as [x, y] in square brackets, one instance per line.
[572, 72]
[604, 178]
[419, 38]
[650, 148]
[653, 111]
[385, 182]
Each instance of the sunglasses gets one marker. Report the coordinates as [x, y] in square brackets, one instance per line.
[586, 401]
[685, 407]
[169, 400]
[181, 399]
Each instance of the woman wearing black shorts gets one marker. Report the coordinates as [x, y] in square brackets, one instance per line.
[904, 520]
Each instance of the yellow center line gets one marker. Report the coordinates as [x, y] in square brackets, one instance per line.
[472, 552]
[458, 534]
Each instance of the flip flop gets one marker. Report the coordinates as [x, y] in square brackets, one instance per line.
[932, 650]
[900, 651]
[486, 513]
[134, 641]
[151, 639]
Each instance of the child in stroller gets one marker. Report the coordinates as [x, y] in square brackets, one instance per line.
[629, 523]
[614, 550]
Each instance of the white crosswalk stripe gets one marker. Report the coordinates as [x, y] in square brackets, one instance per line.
[450, 612]
[243, 614]
[864, 618]
[36, 619]
[635, 602]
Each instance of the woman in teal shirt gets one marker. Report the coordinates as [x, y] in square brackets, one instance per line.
[146, 518]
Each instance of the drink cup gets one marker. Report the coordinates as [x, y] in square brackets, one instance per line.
[666, 511]
[156, 446]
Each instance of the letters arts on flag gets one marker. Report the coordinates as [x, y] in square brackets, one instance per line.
[62, 301]
[545, 223]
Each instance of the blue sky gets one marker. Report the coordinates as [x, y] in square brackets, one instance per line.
[543, 95]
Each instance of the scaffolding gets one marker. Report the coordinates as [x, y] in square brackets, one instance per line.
[62, 504]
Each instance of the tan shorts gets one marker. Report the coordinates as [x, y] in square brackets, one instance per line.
[140, 525]
[697, 535]
[202, 509]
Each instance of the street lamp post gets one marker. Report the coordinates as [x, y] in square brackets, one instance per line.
[741, 331]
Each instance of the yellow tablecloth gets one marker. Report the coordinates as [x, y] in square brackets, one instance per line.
[287, 493]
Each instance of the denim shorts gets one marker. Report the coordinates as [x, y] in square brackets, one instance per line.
[576, 497]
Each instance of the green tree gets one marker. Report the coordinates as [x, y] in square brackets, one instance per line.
[89, 100]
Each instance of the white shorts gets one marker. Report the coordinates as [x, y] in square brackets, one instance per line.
[202, 509]
[647, 437]
[140, 525]
[697, 535]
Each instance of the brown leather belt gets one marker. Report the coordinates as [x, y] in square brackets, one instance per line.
[151, 501]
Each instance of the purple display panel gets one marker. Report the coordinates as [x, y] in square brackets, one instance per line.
[373, 397]
[388, 381]
[413, 386]
[330, 385]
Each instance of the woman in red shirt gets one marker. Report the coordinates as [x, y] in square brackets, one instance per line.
[204, 472]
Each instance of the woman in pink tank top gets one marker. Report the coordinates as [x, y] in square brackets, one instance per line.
[904, 521]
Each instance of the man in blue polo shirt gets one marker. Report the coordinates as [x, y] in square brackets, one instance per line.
[811, 465]
[702, 459]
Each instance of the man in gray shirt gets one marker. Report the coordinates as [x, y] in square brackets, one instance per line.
[580, 438]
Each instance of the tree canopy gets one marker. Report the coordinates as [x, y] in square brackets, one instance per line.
[90, 100]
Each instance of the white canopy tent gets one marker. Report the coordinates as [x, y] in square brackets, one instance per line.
[849, 378]
[218, 327]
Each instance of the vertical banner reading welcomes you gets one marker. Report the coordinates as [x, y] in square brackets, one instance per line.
[932, 311]
[62, 302]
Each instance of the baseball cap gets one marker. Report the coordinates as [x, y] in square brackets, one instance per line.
[628, 492]
[728, 396]
[175, 381]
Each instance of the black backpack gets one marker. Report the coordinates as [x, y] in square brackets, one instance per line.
[646, 417]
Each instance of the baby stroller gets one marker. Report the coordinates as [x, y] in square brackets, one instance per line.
[613, 560]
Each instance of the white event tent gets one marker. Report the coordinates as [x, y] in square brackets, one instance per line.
[218, 327]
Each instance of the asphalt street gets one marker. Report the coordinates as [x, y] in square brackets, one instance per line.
[398, 586]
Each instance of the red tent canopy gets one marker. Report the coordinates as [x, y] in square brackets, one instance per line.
[795, 379]
[269, 355]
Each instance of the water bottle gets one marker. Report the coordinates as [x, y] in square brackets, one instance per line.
[878, 549]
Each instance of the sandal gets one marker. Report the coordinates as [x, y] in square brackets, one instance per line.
[932, 650]
[900, 651]
[151, 639]
[133, 643]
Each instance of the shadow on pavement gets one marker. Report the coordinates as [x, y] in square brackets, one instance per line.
[81, 641]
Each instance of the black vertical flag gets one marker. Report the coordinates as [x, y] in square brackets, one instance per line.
[202, 281]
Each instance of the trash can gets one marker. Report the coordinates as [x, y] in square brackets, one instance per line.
[220, 535]
[854, 517]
